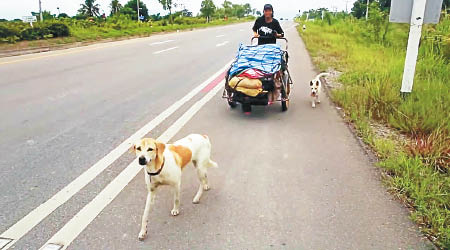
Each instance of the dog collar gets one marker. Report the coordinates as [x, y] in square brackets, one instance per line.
[157, 172]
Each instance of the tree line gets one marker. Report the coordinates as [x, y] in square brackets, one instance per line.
[360, 7]
[92, 9]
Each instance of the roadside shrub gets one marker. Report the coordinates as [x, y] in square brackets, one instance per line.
[34, 33]
[58, 30]
[6, 32]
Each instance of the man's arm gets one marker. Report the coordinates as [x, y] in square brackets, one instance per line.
[255, 29]
[280, 32]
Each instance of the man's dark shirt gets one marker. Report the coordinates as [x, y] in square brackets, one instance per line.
[267, 29]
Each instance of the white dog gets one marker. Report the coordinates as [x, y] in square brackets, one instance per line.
[163, 164]
[304, 27]
[316, 88]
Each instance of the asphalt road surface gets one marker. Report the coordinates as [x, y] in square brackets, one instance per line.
[293, 180]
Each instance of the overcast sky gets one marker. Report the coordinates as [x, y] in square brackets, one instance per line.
[10, 9]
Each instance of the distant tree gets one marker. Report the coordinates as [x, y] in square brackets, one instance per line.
[207, 9]
[258, 13]
[238, 10]
[2, 20]
[227, 8]
[385, 5]
[132, 4]
[63, 15]
[89, 8]
[445, 4]
[167, 5]
[186, 12]
[129, 12]
[219, 13]
[115, 7]
[247, 9]
[156, 17]
[360, 7]
[47, 15]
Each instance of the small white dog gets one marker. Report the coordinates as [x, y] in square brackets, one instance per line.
[316, 88]
[304, 27]
[163, 164]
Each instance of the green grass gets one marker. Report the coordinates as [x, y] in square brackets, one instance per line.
[417, 168]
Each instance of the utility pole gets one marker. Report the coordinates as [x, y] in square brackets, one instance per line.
[40, 11]
[367, 10]
[139, 16]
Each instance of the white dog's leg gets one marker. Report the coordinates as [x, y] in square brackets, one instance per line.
[313, 102]
[201, 173]
[148, 203]
[199, 194]
[318, 99]
[176, 199]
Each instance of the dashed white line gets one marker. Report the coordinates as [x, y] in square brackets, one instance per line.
[65, 236]
[24, 225]
[220, 36]
[164, 50]
[222, 44]
[162, 42]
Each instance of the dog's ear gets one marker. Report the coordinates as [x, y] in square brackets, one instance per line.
[311, 83]
[133, 149]
[159, 160]
[317, 83]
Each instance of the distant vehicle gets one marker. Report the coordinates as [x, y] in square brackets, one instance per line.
[281, 18]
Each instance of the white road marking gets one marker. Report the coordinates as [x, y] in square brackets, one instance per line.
[162, 42]
[4, 242]
[220, 36]
[24, 225]
[165, 50]
[222, 44]
[53, 247]
[87, 214]
[241, 30]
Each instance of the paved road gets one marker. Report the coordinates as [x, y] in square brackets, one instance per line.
[295, 180]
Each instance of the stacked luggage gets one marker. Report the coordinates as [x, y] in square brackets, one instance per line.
[255, 73]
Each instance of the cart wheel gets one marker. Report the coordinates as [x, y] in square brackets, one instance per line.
[285, 89]
[232, 104]
[284, 105]
[246, 108]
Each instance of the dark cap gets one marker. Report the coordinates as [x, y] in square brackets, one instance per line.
[268, 7]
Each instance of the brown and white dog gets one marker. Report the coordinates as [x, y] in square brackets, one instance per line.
[163, 164]
[316, 88]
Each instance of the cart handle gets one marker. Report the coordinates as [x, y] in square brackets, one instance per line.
[270, 37]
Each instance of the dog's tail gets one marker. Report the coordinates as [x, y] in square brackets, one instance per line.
[211, 163]
[322, 75]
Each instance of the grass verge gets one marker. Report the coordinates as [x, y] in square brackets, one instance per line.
[415, 156]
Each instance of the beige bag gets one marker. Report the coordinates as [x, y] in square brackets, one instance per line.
[247, 86]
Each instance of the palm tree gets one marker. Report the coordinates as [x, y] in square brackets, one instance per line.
[90, 8]
[115, 7]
